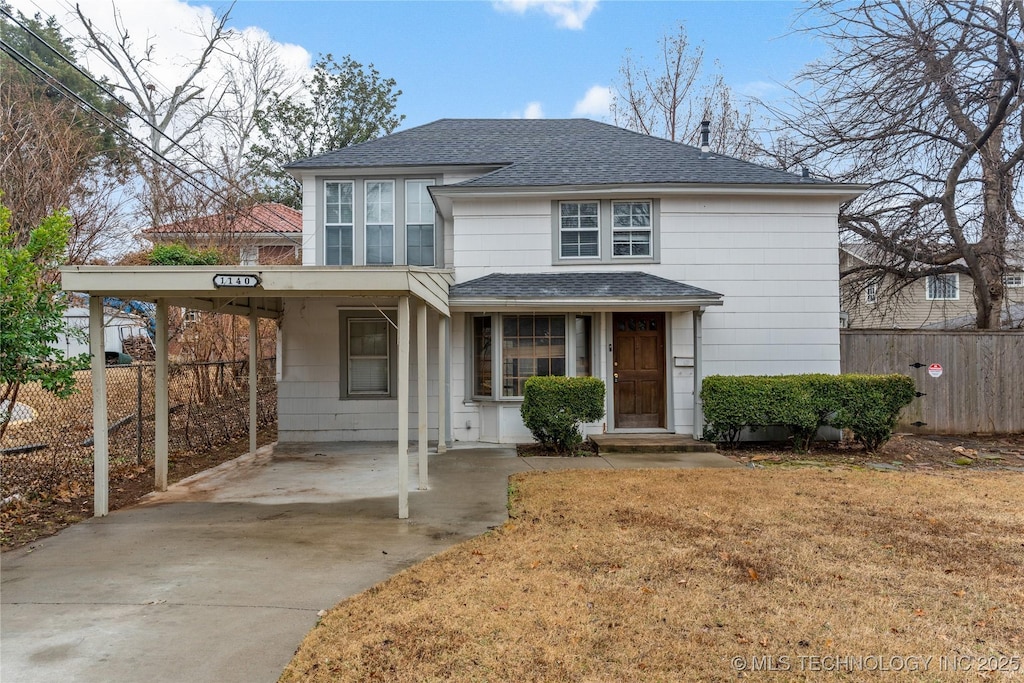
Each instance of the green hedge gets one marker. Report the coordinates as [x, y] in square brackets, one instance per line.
[183, 255]
[555, 407]
[868, 405]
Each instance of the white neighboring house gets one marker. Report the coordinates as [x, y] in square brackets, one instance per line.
[120, 330]
[575, 247]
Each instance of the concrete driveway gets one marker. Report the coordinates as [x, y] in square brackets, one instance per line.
[219, 578]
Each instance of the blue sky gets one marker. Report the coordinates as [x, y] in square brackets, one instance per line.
[481, 59]
[475, 58]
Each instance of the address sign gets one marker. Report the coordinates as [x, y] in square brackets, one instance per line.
[236, 280]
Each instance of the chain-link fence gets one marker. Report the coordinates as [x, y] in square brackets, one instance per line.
[50, 440]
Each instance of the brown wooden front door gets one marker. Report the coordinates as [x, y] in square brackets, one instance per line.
[639, 367]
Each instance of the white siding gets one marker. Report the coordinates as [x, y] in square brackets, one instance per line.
[309, 213]
[309, 403]
[775, 260]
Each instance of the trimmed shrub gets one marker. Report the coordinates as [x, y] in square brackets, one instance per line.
[182, 255]
[732, 403]
[871, 405]
[554, 408]
[868, 405]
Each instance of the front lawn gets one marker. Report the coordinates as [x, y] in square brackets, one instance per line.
[704, 575]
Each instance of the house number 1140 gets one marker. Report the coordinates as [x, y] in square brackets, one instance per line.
[236, 280]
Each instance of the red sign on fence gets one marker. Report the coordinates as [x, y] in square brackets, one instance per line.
[935, 370]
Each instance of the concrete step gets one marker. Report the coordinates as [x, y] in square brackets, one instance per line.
[650, 443]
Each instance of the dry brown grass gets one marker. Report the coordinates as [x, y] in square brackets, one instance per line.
[670, 575]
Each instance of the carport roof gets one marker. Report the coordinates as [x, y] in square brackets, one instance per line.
[194, 286]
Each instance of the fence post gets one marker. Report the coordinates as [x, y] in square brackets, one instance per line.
[138, 414]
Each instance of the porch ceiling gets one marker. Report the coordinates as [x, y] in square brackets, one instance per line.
[193, 286]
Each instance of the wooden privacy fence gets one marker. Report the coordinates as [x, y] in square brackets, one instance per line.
[969, 381]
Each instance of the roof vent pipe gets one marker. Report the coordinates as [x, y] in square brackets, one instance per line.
[705, 135]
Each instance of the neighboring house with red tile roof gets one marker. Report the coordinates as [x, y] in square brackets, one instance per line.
[267, 233]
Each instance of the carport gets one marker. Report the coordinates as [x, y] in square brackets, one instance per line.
[259, 292]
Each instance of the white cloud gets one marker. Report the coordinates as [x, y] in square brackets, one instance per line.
[759, 89]
[596, 103]
[533, 111]
[570, 14]
[173, 27]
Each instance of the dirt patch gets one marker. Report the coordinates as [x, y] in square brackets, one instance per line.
[26, 520]
[705, 575]
[907, 452]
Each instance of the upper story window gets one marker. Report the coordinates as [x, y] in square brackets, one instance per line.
[871, 293]
[605, 231]
[419, 223]
[631, 228]
[579, 230]
[338, 214]
[943, 287]
[1013, 280]
[380, 222]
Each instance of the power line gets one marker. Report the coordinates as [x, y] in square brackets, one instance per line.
[49, 79]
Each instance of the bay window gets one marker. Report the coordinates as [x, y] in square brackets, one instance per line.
[529, 345]
[419, 223]
[380, 222]
[338, 214]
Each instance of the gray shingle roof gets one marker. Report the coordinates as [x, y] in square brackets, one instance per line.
[550, 152]
[576, 285]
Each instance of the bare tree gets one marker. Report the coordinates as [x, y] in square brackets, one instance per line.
[923, 100]
[57, 152]
[174, 119]
[255, 75]
[670, 99]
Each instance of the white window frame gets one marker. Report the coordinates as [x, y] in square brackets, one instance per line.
[341, 227]
[386, 357]
[955, 284]
[562, 230]
[497, 351]
[425, 183]
[649, 229]
[1013, 279]
[367, 224]
[871, 293]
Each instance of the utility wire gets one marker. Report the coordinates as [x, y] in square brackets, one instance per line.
[155, 155]
[47, 79]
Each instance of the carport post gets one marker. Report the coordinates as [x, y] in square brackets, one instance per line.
[254, 331]
[161, 411]
[101, 450]
[403, 407]
[421, 392]
[442, 380]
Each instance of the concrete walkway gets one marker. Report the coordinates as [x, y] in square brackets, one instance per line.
[221, 577]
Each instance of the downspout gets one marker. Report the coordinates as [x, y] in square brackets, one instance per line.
[698, 373]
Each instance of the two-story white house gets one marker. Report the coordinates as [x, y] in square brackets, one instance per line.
[444, 265]
[575, 248]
